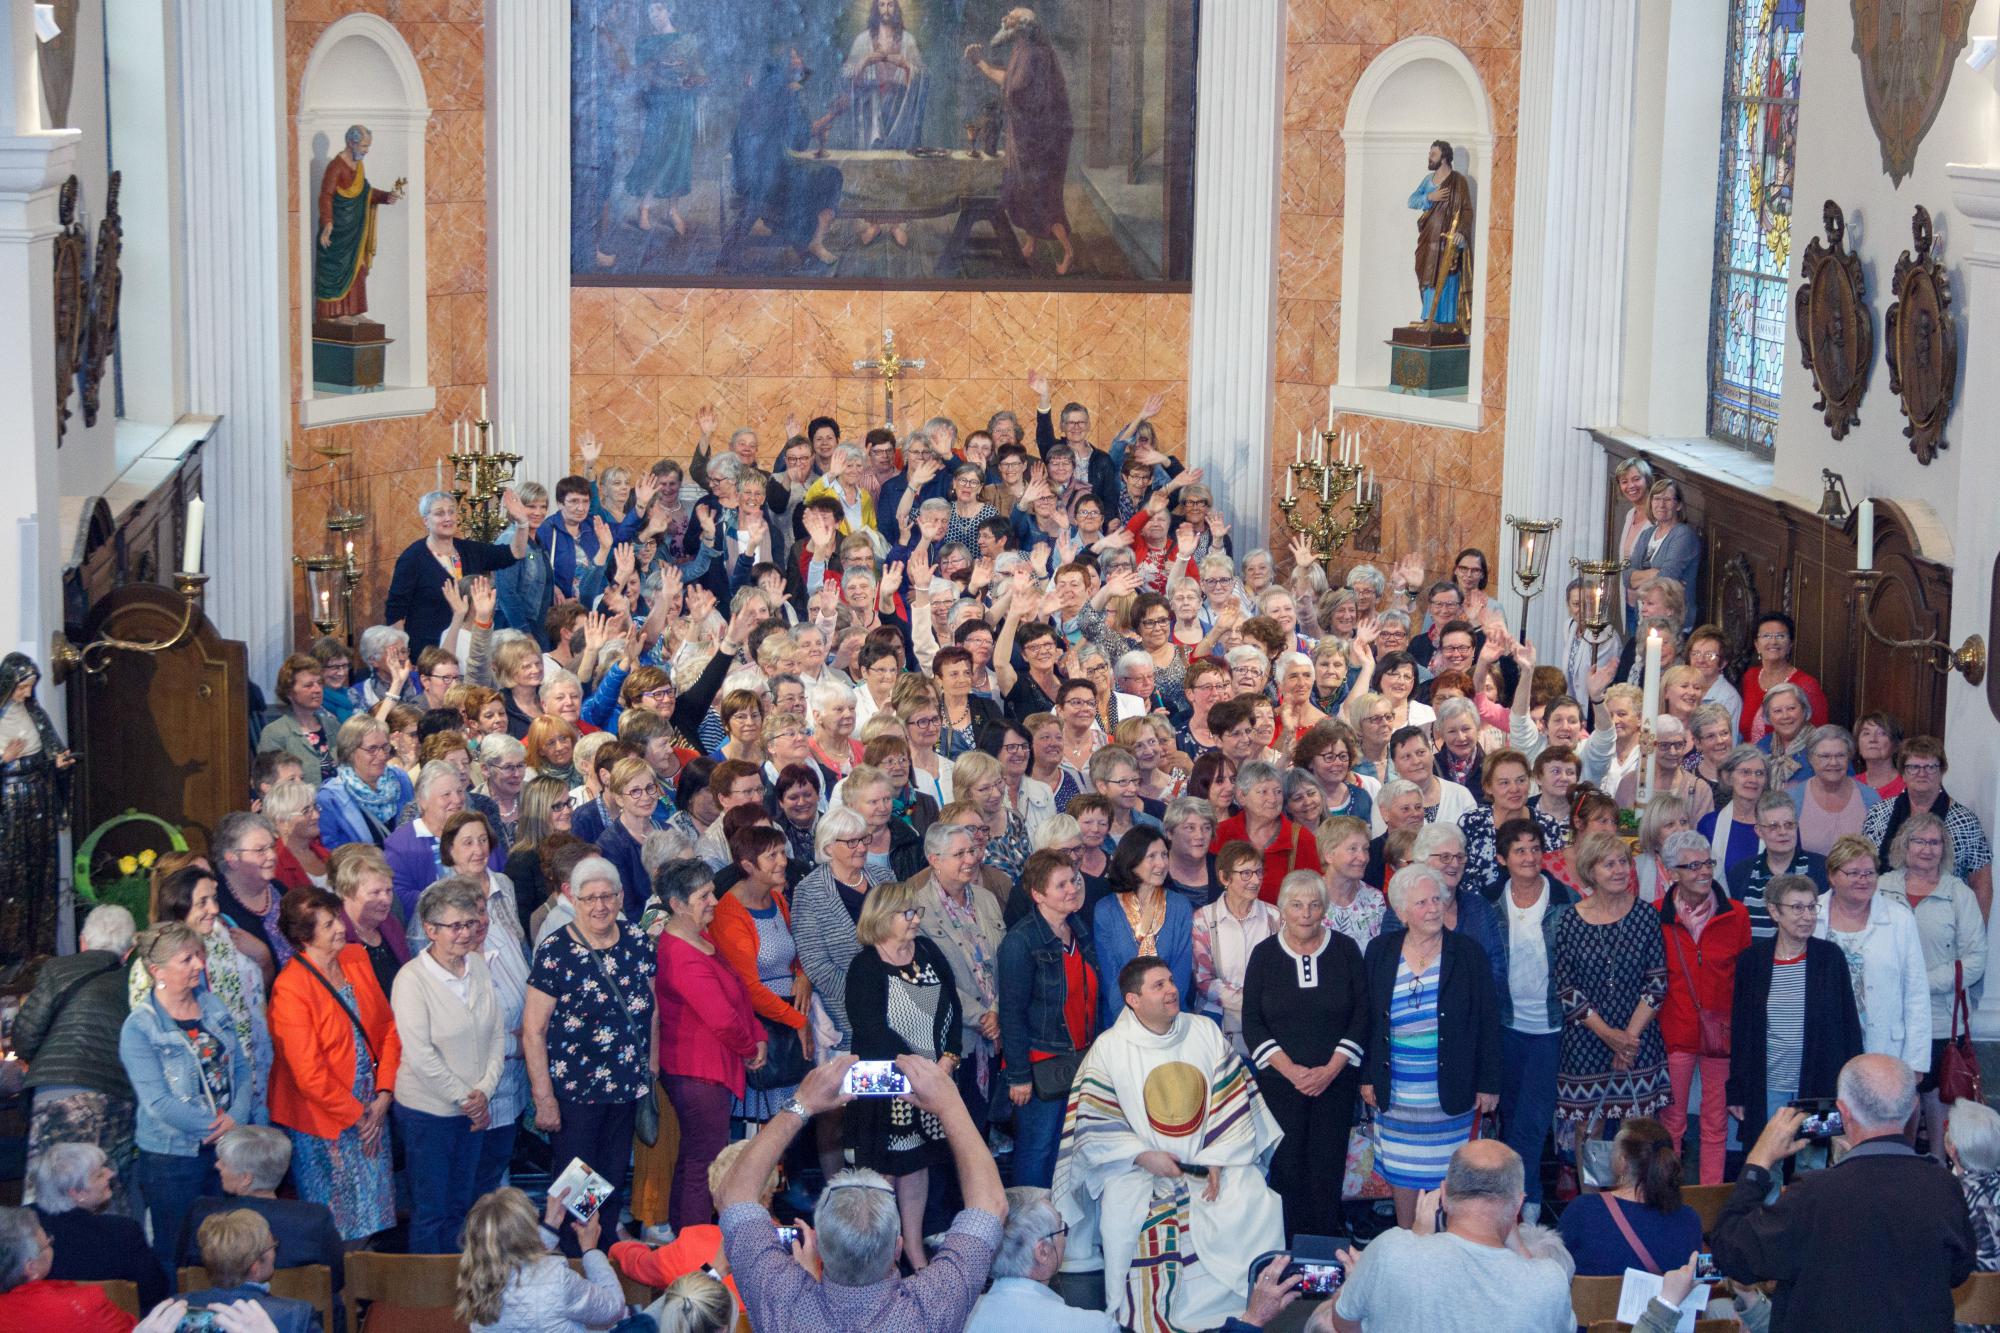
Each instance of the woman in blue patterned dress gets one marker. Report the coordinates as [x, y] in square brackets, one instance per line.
[1433, 1061]
[1611, 975]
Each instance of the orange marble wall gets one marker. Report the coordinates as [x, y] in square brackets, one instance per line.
[394, 460]
[1440, 488]
[644, 360]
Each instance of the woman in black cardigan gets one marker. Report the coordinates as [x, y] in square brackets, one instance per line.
[416, 599]
[1305, 1021]
[1824, 999]
[1427, 1102]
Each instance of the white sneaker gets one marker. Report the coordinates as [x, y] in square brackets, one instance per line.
[658, 1234]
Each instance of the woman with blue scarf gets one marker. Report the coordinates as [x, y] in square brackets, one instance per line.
[364, 800]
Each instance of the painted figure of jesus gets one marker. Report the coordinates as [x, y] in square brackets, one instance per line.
[346, 247]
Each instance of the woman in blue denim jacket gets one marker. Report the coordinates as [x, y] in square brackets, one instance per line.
[1048, 1007]
[192, 1078]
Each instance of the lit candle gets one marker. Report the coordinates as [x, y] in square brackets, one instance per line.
[191, 553]
[325, 604]
[482, 402]
[350, 551]
[1865, 538]
[1528, 552]
[1650, 707]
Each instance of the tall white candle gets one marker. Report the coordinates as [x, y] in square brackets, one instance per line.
[325, 604]
[440, 476]
[1288, 483]
[1650, 705]
[191, 552]
[1299, 448]
[1325, 482]
[1329, 407]
[482, 403]
[1865, 539]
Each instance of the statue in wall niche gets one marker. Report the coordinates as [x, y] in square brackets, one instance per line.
[1444, 247]
[345, 247]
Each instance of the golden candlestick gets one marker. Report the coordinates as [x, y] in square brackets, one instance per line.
[479, 478]
[1320, 475]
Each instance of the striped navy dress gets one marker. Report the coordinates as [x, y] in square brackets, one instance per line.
[1417, 1137]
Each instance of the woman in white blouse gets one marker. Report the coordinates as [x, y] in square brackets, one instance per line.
[1885, 955]
[1225, 932]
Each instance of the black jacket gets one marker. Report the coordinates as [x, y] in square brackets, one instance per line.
[1872, 1244]
[69, 1025]
[95, 1247]
[1833, 1028]
[1468, 1015]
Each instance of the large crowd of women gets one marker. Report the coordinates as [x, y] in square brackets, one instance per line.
[708, 774]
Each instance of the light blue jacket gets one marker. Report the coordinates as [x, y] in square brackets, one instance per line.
[175, 1108]
[341, 820]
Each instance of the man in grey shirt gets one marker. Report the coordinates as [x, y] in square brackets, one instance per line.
[1471, 1277]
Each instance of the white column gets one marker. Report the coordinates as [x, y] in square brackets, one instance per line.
[1566, 347]
[1233, 321]
[528, 225]
[33, 165]
[237, 313]
[1969, 722]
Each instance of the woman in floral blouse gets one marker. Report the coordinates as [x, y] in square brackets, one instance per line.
[588, 1031]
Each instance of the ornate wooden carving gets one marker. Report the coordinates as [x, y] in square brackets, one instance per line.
[107, 281]
[1922, 343]
[1736, 611]
[1836, 337]
[1907, 52]
[69, 302]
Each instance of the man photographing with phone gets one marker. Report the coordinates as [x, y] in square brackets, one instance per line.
[1874, 1242]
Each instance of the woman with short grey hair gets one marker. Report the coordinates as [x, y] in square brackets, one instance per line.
[1831, 801]
[30, 1298]
[72, 1184]
[1731, 828]
[416, 600]
[364, 800]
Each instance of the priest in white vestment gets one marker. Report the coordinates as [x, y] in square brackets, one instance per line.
[1162, 1091]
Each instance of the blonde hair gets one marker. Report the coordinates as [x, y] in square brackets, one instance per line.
[1631, 695]
[511, 656]
[695, 1303]
[880, 907]
[502, 1236]
[1055, 829]
[231, 1244]
[164, 941]
[974, 767]
[348, 864]
[287, 801]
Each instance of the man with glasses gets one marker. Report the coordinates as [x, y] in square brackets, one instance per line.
[1705, 933]
[1922, 762]
[1032, 1246]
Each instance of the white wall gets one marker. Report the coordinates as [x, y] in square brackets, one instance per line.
[88, 460]
[1840, 158]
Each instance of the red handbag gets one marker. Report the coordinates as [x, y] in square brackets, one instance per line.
[1958, 1068]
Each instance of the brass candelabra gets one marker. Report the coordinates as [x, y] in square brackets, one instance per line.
[480, 475]
[66, 658]
[1344, 496]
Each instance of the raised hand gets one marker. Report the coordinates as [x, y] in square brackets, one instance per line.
[602, 531]
[705, 516]
[820, 528]
[1154, 402]
[484, 598]
[1038, 383]
[917, 568]
[1600, 679]
[1302, 551]
[704, 420]
[1216, 527]
[643, 493]
[892, 579]
[626, 563]
[791, 424]
[512, 504]
[1124, 581]
[1038, 560]
[670, 589]
[454, 598]
[591, 448]
[982, 574]
[1410, 571]
[1524, 655]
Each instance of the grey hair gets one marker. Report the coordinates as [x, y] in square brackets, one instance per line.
[1294, 661]
[725, 467]
[1880, 1090]
[379, 639]
[63, 1169]
[560, 676]
[945, 424]
[1974, 1129]
[1392, 614]
[1256, 552]
[18, 1246]
[855, 455]
[1369, 575]
[1055, 829]
[1032, 1217]
[1007, 562]
[679, 881]
[1136, 660]
[829, 692]
[108, 927]
[1456, 705]
[1786, 687]
[288, 800]
[661, 846]
[1434, 838]
[1243, 654]
[436, 771]
[1775, 798]
[356, 133]
[1832, 731]
[935, 505]
[1298, 882]
[858, 1226]
[259, 1152]
[461, 891]
[1257, 771]
[1741, 755]
[1183, 808]
[428, 501]
[738, 434]
[1394, 788]
[1466, 1180]
[594, 870]
[1681, 842]
[1297, 780]
[839, 822]
[505, 749]
[938, 838]
[1408, 878]
[234, 826]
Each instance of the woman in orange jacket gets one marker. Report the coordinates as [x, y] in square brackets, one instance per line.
[752, 931]
[333, 1075]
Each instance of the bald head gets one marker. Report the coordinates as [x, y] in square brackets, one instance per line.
[1484, 1173]
[1877, 1095]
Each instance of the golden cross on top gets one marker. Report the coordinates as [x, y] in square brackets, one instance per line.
[890, 367]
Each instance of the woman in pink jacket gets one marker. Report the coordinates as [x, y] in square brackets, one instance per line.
[709, 1034]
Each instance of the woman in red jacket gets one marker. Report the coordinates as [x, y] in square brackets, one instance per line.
[709, 1035]
[1704, 933]
[753, 934]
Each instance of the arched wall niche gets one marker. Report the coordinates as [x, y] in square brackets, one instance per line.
[1419, 90]
[361, 72]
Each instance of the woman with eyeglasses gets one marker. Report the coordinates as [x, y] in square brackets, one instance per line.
[981, 779]
[1922, 762]
[1373, 717]
[1793, 1022]
[1704, 933]
[1831, 802]
[465, 848]
[1226, 932]
[364, 801]
[415, 601]
[1778, 854]
[917, 704]
[1776, 635]
[551, 749]
[1885, 952]
[635, 792]
[545, 807]
[1951, 928]
[901, 999]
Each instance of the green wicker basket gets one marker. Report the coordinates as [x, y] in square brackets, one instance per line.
[124, 880]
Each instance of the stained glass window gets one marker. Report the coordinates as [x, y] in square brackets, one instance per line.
[1753, 228]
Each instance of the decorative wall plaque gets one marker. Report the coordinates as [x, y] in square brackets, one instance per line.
[69, 247]
[1907, 50]
[1836, 338]
[1922, 342]
[107, 282]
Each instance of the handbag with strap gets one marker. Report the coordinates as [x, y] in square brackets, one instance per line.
[784, 1058]
[1958, 1067]
[1053, 1076]
[1714, 1023]
[1645, 1256]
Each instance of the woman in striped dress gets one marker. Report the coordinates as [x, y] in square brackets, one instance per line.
[1433, 1061]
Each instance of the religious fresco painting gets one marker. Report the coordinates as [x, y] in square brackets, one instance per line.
[1753, 243]
[974, 144]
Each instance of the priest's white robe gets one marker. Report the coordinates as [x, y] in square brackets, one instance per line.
[1173, 1261]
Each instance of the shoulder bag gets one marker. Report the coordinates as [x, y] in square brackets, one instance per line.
[1714, 1023]
[1958, 1067]
[1631, 1237]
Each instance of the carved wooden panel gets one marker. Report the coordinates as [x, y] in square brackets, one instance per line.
[167, 733]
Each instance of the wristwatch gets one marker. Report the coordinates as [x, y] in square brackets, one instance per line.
[797, 1108]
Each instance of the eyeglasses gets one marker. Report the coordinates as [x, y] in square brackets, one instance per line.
[1014, 747]
[1922, 770]
[1706, 863]
[860, 841]
[1131, 780]
[448, 677]
[913, 914]
[380, 748]
[453, 927]
[1803, 905]
[1779, 637]
[600, 900]
[506, 768]
[664, 692]
[561, 803]
[1705, 655]
[1778, 826]
[1058, 1233]
[1155, 622]
[650, 789]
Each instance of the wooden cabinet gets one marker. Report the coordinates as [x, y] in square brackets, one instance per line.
[1762, 554]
